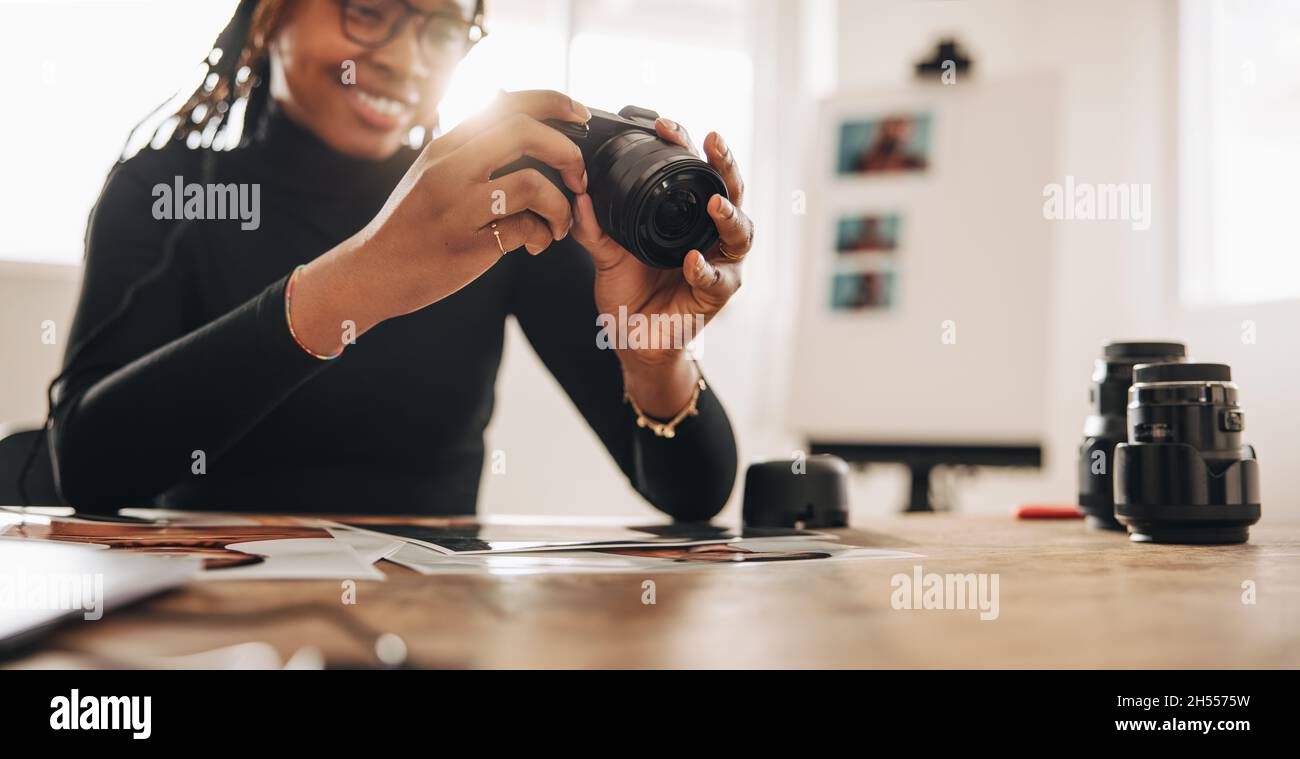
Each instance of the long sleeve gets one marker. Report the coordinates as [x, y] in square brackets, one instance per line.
[689, 476]
[145, 389]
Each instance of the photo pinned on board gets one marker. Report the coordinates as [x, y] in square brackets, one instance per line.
[889, 144]
[862, 291]
[867, 233]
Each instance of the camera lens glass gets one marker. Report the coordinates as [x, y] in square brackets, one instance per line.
[1185, 475]
[678, 212]
[675, 209]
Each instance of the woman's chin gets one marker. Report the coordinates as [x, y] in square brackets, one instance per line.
[367, 143]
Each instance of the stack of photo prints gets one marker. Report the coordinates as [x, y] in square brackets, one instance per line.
[234, 546]
[864, 276]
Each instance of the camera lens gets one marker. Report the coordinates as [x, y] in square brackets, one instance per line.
[678, 212]
[1105, 426]
[1185, 475]
[650, 196]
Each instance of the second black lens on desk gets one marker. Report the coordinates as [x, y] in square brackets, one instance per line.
[1106, 427]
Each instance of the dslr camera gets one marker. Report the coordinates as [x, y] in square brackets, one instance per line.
[650, 195]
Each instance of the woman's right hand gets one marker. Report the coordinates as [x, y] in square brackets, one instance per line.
[434, 235]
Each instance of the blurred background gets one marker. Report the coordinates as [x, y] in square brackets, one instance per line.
[919, 296]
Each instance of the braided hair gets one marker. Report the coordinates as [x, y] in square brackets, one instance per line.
[232, 91]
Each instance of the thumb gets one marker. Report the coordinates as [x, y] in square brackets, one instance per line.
[604, 251]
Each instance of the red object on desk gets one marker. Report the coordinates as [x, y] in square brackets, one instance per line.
[1041, 511]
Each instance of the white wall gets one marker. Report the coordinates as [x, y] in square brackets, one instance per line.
[31, 294]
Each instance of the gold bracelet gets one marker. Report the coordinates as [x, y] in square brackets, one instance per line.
[667, 429]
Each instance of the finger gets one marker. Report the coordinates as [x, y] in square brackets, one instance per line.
[526, 190]
[538, 104]
[675, 133]
[712, 283]
[735, 229]
[522, 230]
[587, 233]
[518, 136]
[721, 158]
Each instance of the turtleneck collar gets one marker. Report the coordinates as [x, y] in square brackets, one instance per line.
[292, 155]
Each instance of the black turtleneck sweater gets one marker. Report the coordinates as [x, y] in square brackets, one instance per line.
[199, 358]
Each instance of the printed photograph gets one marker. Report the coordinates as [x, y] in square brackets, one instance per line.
[889, 144]
[862, 291]
[867, 233]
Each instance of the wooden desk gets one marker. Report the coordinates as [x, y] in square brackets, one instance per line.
[1069, 597]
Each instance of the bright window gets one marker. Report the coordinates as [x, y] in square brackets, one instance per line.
[1240, 151]
[687, 59]
[76, 77]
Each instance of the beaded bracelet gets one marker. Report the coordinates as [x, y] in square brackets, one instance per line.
[288, 318]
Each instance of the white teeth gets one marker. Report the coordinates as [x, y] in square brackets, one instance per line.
[386, 106]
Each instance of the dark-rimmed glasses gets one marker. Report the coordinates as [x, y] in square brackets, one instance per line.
[375, 23]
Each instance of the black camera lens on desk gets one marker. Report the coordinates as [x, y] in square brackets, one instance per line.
[650, 195]
[1185, 475]
[1106, 425]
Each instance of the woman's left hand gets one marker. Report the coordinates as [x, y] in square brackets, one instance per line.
[662, 378]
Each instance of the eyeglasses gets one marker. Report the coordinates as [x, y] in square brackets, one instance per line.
[375, 23]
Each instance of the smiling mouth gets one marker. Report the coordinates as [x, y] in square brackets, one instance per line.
[383, 105]
[378, 111]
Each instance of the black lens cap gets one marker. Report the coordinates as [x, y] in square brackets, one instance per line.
[1182, 373]
[1128, 350]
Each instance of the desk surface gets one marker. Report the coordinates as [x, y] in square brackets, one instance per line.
[1069, 597]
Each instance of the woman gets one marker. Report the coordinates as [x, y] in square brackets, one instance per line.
[200, 373]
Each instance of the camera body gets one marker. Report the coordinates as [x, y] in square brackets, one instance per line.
[1185, 475]
[650, 195]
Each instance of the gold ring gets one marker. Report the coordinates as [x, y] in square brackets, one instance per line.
[726, 253]
[497, 233]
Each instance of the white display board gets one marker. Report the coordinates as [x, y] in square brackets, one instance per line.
[960, 356]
